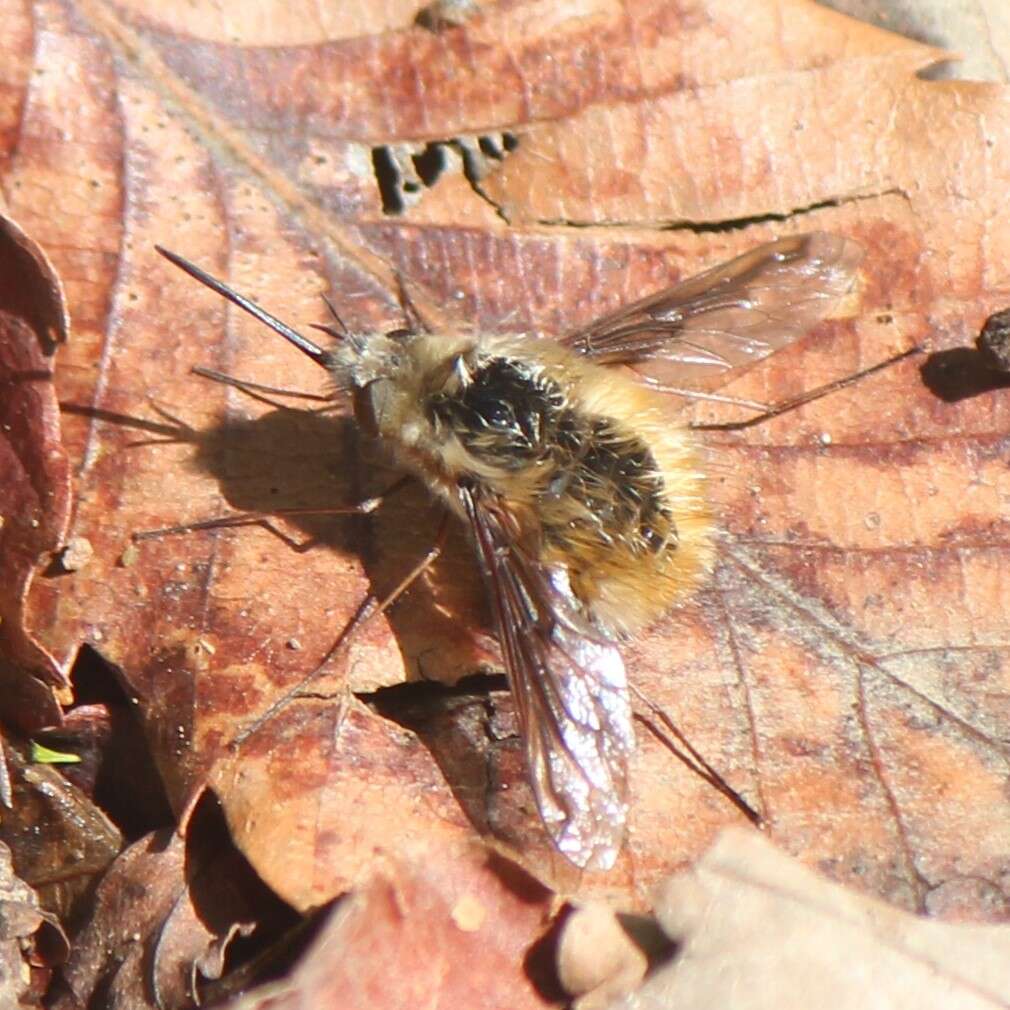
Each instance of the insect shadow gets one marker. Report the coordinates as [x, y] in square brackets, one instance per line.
[455, 699]
[462, 715]
[961, 373]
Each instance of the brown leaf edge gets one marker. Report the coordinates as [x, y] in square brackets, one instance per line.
[32, 941]
[35, 489]
[755, 928]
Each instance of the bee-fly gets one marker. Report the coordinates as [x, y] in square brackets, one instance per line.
[586, 506]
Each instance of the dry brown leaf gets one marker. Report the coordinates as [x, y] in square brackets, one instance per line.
[977, 30]
[846, 668]
[60, 840]
[30, 940]
[797, 940]
[452, 930]
[163, 917]
[34, 471]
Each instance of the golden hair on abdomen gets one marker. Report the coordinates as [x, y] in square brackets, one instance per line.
[604, 481]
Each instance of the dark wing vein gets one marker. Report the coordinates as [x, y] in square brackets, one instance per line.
[732, 314]
[570, 690]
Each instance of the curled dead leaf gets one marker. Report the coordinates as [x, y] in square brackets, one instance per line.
[163, 918]
[597, 961]
[758, 930]
[34, 470]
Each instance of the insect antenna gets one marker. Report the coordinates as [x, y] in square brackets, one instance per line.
[340, 331]
[316, 353]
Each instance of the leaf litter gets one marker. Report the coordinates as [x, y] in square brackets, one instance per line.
[846, 667]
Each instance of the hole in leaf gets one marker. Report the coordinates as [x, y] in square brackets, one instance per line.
[116, 769]
[387, 175]
[430, 163]
[490, 148]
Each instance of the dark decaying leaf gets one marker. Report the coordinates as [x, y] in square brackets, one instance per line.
[34, 470]
[31, 940]
[60, 840]
[416, 933]
[163, 917]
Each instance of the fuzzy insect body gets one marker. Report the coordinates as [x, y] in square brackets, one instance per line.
[598, 480]
[582, 494]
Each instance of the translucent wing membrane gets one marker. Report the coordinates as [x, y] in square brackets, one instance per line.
[570, 691]
[731, 315]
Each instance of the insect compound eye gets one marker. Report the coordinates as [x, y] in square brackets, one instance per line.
[498, 415]
[370, 402]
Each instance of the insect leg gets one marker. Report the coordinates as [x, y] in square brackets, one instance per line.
[432, 555]
[672, 738]
[698, 394]
[416, 323]
[810, 395]
[369, 608]
[251, 518]
[372, 606]
[254, 388]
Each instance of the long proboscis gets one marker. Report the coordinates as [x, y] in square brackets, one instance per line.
[306, 346]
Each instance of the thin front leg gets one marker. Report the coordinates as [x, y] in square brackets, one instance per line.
[417, 571]
[251, 518]
[255, 388]
[692, 759]
[370, 608]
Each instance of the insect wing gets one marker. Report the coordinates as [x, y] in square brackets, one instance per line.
[731, 315]
[570, 690]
